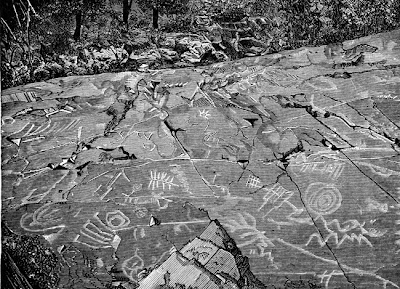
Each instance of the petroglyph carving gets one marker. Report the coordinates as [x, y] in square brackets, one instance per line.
[95, 234]
[131, 266]
[110, 183]
[373, 205]
[143, 200]
[249, 225]
[43, 219]
[140, 212]
[210, 140]
[275, 196]
[280, 78]
[35, 197]
[181, 176]
[325, 278]
[253, 182]
[375, 233]
[322, 198]
[117, 220]
[158, 179]
[387, 96]
[260, 252]
[46, 215]
[381, 171]
[342, 122]
[343, 229]
[275, 193]
[330, 170]
[136, 188]
[204, 114]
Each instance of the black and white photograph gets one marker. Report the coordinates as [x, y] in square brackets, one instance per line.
[200, 144]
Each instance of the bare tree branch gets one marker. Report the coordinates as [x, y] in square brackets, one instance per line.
[31, 8]
[16, 14]
[9, 29]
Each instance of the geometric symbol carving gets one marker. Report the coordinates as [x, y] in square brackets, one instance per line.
[253, 182]
[322, 199]
[117, 220]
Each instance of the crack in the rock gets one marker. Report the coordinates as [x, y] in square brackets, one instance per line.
[376, 183]
[202, 178]
[378, 109]
[313, 114]
[173, 133]
[319, 231]
[310, 110]
[370, 128]
[351, 73]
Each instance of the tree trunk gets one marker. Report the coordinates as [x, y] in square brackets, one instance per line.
[78, 18]
[127, 5]
[155, 17]
[126, 9]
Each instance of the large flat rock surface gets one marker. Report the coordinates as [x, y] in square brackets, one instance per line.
[296, 155]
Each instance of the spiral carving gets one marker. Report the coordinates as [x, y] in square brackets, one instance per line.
[322, 198]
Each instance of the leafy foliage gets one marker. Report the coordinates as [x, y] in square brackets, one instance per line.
[37, 32]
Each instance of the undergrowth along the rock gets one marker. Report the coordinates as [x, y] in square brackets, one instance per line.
[43, 40]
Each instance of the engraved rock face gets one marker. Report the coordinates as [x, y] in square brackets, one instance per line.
[274, 171]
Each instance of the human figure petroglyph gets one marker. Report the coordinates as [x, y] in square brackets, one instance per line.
[322, 198]
[326, 277]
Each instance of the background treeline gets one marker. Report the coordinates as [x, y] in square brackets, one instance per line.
[38, 32]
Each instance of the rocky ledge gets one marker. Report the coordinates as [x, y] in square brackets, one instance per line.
[116, 177]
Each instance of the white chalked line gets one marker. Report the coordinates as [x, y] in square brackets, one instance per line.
[333, 262]
[16, 132]
[40, 129]
[164, 224]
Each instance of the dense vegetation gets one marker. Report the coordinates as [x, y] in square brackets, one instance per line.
[46, 39]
